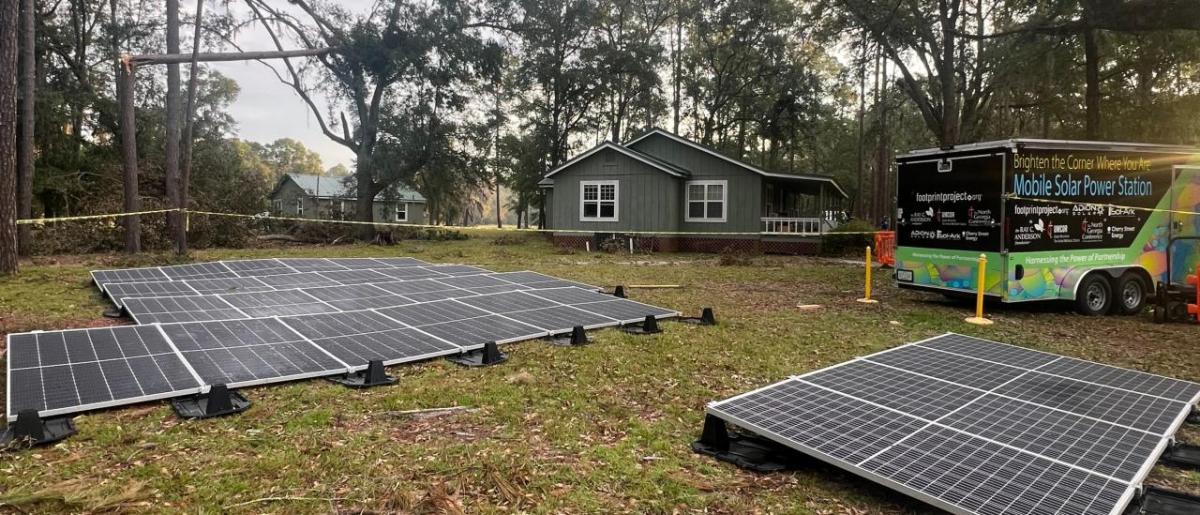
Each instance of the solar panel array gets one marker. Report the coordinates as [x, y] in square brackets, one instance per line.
[975, 426]
[245, 323]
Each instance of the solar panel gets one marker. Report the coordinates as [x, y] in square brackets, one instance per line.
[197, 271]
[559, 319]
[473, 281]
[415, 286]
[276, 303]
[62, 372]
[572, 295]
[418, 315]
[399, 262]
[974, 426]
[541, 281]
[473, 333]
[257, 267]
[357, 263]
[120, 291]
[458, 269]
[228, 285]
[625, 310]
[311, 264]
[162, 310]
[356, 296]
[409, 273]
[356, 277]
[501, 303]
[357, 338]
[241, 353]
[127, 275]
[300, 280]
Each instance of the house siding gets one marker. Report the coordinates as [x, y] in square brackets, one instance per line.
[743, 197]
[329, 208]
[647, 198]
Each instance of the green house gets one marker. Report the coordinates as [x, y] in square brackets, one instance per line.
[663, 192]
[329, 198]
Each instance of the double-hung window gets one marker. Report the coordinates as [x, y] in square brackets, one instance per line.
[706, 201]
[299, 207]
[401, 212]
[598, 201]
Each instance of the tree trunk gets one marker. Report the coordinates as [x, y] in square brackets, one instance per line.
[860, 204]
[185, 173]
[175, 224]
[25, 145]
[1091, 59]
[8, 137]
[364, 205]
[133, 203]
[677, 65]
[947, 75]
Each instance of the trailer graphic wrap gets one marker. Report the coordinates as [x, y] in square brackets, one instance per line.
[948, 213]
[1056, 225]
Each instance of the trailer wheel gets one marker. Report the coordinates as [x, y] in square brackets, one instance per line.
[1094, 296]
[1131, 294]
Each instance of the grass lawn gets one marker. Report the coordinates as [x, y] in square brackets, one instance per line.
[602, 428]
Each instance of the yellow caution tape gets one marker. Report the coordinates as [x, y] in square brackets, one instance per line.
[37, 221]
[189, 212]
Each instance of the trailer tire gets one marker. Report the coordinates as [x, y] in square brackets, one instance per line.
[1094, 296]
[1131, 294]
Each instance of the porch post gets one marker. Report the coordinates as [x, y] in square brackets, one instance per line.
[821, 215]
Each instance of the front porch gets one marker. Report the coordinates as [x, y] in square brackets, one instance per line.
[799, 207]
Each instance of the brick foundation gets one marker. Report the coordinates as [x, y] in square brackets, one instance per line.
[702, 245]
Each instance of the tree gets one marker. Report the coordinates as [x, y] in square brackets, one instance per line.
[25, 145]
[286, 155]
[404, 66]
[8, 137]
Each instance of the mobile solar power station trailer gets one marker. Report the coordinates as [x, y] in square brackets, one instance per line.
[1097, 223]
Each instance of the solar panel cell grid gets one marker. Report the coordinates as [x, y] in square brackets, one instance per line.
[991, 351]
[949, 367]
[418, 315]
[623, 309]
[197, 271]
[1124, 379]
[508, 302]
[125, 275]
[978, 476]
[1122, 407]
[180, 309]
[242, 352]
[120, 291]
[228, 285]
[832, 423]
[561, 318]
[896, 389]
[474, 332]
[311, 264]
[356, 277]
[571, 295]
[256, 267]
[409, 273]
[1106, 448]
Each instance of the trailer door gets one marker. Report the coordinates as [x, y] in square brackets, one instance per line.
[1184, 253]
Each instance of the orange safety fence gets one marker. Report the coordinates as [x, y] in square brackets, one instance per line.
[885, 248]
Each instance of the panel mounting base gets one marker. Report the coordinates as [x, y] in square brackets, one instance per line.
[114, 313]
[373, 375]
[648, 326]
[575, 338]
[706, 318]
[218, 402]
[487, 356]
[746, 451]
[1182, 456]
[1160, 501]
[29, 430]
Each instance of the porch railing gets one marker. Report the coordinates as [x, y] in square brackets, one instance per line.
[804, 226]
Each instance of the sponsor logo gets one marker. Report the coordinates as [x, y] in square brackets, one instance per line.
[1121, 211]
[904, 276]
[1086, 209]
[979, 216]
[1118, 232]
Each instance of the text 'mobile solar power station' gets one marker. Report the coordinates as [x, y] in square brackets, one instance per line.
[974, 426]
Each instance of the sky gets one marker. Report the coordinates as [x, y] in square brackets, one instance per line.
[267, 109]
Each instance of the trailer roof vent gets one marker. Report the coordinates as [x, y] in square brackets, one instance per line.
[945, 165]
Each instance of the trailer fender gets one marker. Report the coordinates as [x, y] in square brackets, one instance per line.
[1070, 284]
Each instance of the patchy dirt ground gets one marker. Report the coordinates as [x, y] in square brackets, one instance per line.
[603, 428]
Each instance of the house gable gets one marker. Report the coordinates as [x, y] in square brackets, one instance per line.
[646, 196]
[689, 154]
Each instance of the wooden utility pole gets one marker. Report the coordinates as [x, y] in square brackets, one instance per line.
[8, 137]
[25, 145]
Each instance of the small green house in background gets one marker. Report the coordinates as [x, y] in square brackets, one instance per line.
[695, 198]
[327, 198]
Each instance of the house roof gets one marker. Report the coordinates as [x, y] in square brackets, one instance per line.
[654, 162]
[335, 187]
[786, 176]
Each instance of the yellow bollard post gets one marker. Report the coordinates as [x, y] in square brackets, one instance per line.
[867, 288]
[978, 319]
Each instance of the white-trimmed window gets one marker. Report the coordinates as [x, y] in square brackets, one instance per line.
[299, 207]
[342, 209]
[706, 201]
[401, 211]
[598, 201]
[278, 207]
